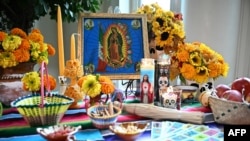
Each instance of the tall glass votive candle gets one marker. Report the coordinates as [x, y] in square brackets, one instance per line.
[147, 77]
[162, 76]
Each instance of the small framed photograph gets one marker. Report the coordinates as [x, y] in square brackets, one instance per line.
[113, 44]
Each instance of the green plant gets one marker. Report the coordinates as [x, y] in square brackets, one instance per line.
[23, 13]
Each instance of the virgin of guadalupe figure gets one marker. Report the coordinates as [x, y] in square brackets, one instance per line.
[147, 94]
[115, 46]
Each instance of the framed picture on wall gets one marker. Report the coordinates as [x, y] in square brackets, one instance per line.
[113, 44]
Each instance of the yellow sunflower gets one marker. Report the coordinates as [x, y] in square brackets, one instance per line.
[197, 62]
[167, 26]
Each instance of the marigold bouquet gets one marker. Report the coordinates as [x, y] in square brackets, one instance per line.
[96, 85]
[166, 27]
[32, 81]
[197, 62]
[17, 47]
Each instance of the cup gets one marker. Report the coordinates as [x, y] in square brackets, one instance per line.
[189, 93]
[172, 98]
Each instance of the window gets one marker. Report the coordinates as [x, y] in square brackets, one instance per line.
[165, 4]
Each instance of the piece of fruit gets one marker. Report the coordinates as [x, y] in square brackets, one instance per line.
[232, 95]
[240, 84]
[221, 88]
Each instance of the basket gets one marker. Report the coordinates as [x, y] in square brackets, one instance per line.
[42, 109]
[230, 112]
[103, 122]
[1, 109]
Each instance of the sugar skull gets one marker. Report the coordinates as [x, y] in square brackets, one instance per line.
[163, 83]
[169, 100]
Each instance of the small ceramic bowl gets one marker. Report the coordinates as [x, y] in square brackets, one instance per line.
[129, 131]
[57, 132]
[103, 122]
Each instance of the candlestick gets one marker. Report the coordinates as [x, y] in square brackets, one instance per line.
[72, 47]
[60, 42]
[79, 49]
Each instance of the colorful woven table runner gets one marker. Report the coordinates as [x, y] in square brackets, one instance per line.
[13, 124]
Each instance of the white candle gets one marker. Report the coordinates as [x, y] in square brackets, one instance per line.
[72, 47]
[60, 42]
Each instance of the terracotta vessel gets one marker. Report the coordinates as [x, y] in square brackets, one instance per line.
[10, 82]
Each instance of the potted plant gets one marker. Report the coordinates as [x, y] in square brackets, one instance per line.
[22, 14]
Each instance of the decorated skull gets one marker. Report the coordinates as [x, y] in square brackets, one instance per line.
[169, 100]
[163, 83]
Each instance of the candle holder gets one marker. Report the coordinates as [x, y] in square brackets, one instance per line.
[63, 84]
[162, 77]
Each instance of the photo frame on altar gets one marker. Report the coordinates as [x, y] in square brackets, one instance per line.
[113, 44]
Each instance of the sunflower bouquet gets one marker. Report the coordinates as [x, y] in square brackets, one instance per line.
[94, 86]
[197, 62]
[18, 47]
[165, 27]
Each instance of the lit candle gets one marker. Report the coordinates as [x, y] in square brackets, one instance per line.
[60, 42]
[72, 47]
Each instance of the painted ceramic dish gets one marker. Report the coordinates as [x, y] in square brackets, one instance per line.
[58, 132]
[129, 131]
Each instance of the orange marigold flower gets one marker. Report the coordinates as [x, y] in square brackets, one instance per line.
[36, 37]
[35, 30]
[50, 82]
[2, 35]
[188, 71]
[183, 56]
[214, 69]
[107, 85]
[51, 50]
[19, 32]
[21, 55]
[81, 80]
[107, 88]
[25, 44]
[74, 93]
[104, 79]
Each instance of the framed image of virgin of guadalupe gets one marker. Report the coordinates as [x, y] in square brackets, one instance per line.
[113, 44]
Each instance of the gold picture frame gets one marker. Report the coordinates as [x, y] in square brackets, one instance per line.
[113, 44]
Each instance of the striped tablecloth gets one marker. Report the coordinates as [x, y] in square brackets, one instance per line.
[13, 124]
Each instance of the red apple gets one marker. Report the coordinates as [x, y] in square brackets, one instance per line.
[240, 84]
[233, 95]
[221, 88]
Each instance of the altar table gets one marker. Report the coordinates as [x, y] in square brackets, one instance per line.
[13, 127]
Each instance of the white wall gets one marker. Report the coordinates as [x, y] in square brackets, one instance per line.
[219, 24]
[242, 66]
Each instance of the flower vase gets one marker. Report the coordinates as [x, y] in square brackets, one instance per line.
[95, 100]
[11, 86]
[201, 87]
[208, 85]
